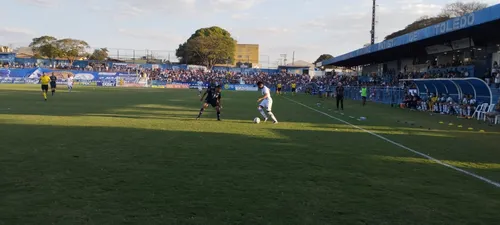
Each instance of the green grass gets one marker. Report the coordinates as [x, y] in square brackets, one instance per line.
[137, 156]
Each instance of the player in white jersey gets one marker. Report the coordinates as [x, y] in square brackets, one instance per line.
[70, 83]
[200, 87]
[266, 103]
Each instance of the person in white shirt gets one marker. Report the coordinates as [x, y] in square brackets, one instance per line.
[70, 83]
[266, 103]
[442, 104]
[200, 87]
[471, 106]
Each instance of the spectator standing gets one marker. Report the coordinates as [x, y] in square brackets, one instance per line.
[364, 94]
[339, 94]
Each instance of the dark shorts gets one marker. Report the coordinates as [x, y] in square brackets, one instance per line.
[293, 90]
[53, 84]
[363, 97]
[45, 87]
[340, 97]
[212, 102]
[279, 89]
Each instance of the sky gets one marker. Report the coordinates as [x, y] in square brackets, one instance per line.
[307, 27]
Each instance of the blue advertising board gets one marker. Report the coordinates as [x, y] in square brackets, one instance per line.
[194, 85]
[102, 83]
[246, 87]
[7, 57]
[11, 80]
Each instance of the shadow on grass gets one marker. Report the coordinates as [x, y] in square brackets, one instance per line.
[100, 175]
[88, 102]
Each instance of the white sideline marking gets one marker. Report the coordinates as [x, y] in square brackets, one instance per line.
[496, 184]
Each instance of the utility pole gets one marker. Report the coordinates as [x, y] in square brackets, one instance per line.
[373, 22]
[284, 59]
[293, 58]
[268, 61]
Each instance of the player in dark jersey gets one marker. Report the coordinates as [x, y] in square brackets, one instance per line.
[213, 98]
[53, 83]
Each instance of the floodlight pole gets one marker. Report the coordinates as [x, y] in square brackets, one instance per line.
[373, 22]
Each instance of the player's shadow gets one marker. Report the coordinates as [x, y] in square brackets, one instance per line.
[146, 116]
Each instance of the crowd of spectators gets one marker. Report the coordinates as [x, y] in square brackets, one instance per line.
[228, 77]
[393, 78]
[390, 78]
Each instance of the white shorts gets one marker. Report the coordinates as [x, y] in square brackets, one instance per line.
[267, 104]
[200, 89]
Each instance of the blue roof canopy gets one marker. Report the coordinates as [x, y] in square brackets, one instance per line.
[456, 88]
[455, 24]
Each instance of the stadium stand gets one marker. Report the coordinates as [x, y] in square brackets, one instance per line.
[456, 59]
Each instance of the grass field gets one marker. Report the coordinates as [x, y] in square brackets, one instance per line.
[137, 156]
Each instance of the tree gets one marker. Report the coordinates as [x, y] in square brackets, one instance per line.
[420, 23]
[448, 12]
[322, 58]
[207, 46]
[100, 54]
[50, 47]
[72, 49]
[45, 46]
[458, 9]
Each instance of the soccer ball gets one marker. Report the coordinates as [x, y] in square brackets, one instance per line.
[256, 120]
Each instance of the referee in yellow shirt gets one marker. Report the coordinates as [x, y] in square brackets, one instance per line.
[45, 80]
[294, 88]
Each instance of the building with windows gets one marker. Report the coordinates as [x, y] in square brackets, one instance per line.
[246, 55]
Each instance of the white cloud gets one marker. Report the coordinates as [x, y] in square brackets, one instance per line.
[240, 16]
[226, 5]
[126, 9]
[158, 5]
[309, 27]
[40, 2]
[151, 34]
[15, 36]
[134, 8]
[315, 23]
[422, 9]
[349, 27]
[17, 31]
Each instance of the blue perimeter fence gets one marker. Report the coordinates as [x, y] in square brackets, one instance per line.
[385, 95]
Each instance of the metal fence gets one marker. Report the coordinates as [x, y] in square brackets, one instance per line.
[384, 95]
[123, 54]
[139, 55]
